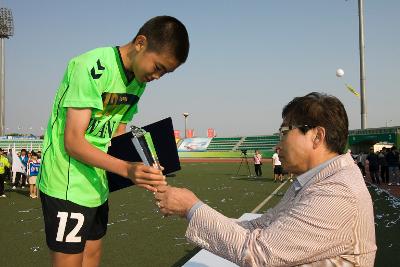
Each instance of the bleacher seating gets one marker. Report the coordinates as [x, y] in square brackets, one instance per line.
[267, 142]
[223, 143]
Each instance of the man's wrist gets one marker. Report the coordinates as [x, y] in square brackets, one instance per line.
[193, 209]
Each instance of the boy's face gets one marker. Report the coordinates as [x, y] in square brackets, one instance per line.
[150, 65]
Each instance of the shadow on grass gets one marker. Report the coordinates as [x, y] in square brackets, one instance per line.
[20, 191]
[187, 257]
[253, 179]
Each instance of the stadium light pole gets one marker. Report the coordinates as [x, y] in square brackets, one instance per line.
[185, 114]
[362, 64]
[6, 31]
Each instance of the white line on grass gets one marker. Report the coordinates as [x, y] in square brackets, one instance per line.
[256, 209]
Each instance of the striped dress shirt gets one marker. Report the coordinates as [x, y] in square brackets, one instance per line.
[328, 221]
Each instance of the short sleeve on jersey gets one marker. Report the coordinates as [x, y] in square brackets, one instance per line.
[82, 90]
[128, 116]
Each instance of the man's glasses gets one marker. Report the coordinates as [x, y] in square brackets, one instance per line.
[285, 129]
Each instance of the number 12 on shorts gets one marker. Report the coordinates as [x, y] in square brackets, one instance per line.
[71, 237]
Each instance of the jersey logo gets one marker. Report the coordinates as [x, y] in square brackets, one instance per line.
[116, 103]
[99, 68]
[113, 103]
[112, 99]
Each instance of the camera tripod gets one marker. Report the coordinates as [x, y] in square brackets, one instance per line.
[244, 161]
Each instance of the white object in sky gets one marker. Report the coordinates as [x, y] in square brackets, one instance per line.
[339, 72]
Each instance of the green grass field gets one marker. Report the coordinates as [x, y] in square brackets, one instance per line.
[139, 236]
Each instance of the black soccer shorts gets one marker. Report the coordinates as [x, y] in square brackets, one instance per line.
[278, 169]
[69, 225]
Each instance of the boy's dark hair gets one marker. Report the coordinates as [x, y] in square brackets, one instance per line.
[165, 33]
[318, 109]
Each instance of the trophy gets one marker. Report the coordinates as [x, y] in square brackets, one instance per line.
[143, 144]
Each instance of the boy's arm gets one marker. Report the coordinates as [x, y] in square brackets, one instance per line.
[79, 148]
[120, 130]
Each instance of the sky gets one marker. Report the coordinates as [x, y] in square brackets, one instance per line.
[247, 59]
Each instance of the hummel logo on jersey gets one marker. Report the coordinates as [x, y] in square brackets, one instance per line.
[99, 68]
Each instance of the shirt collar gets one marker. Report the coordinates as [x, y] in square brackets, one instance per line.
[306, 177]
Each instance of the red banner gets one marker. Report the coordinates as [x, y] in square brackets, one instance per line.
[190, 133]
[211, 133]
[177, 134]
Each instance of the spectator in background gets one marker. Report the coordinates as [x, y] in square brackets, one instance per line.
[383, 165]
[9, 171]
[3, 165]
[392, 159]
[257, 163]
[373, 166]
[20, 179]
[361, 158]
[32, 172]
[277, 166]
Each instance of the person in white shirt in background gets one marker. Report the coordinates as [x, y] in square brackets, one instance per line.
[277, 166]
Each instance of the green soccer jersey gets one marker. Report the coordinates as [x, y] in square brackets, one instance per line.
[94, 80]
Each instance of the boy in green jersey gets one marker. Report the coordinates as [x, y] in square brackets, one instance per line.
[97, 97]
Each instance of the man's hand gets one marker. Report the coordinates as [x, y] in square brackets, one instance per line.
[175, 201]
[145, 176]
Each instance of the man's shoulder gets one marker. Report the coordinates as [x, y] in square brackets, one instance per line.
[346, 175]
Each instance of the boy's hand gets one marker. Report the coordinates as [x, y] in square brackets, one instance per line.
[145, 176]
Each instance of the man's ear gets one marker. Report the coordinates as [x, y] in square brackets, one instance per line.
[319, 136]
[140, 42]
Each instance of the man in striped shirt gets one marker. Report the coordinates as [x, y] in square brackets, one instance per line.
[324, 219]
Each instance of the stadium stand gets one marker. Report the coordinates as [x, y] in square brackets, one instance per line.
[223, 143]
[265, 142]
[19, 143]
[358, 140]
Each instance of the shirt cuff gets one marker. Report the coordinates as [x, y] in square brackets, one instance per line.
[193, 209]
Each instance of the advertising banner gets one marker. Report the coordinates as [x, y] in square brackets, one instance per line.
[194, 144]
